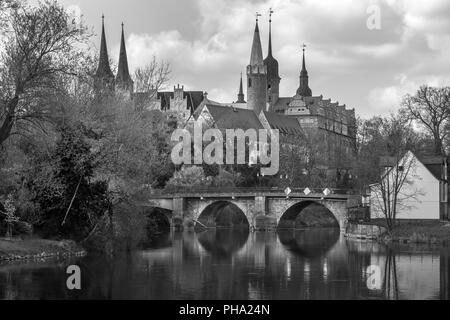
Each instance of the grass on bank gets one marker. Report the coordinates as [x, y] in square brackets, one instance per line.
[438, 230]
[13, 249]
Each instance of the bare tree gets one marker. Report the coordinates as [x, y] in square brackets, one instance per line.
[41, 48]
[430, 107]
[395, 188]
[152, 77]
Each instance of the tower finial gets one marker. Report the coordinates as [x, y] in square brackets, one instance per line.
[304, 64]
[257, 16]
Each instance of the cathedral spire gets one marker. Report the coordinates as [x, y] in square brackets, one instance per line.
[304, 89]
[273, 77]
[241, 97]
[256, 57]
[123, 78]
[256, 76]
[104, 70]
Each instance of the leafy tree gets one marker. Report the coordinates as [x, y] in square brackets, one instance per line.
[41, 47]
[187, 177]
[71, 203]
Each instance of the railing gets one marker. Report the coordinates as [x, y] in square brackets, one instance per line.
[241, 190]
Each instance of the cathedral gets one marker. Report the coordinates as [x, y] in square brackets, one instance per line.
[178, 102]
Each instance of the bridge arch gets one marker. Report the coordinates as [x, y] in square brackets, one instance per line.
[161, 216]
[289, 210]
[222, 213]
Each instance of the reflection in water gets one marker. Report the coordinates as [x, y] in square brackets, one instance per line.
[224, 264]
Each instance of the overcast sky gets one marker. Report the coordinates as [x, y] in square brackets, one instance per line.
[208, 44]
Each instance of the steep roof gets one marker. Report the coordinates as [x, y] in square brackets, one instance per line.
[304, 89]
[286, 125]
[123, 73]
[256, 57]
[104, 69]
[435, 164]
[227, 117]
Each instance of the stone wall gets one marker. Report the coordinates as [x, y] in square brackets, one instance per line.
[363, 231]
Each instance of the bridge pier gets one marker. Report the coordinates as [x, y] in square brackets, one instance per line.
[179, 210]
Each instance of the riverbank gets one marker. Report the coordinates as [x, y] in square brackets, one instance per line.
[29, 249]
[433, 232]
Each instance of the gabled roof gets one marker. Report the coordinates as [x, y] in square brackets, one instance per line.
[435, 164]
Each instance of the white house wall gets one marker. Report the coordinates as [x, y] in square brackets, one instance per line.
[425, 205]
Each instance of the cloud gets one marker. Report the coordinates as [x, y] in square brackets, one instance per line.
[367, 70]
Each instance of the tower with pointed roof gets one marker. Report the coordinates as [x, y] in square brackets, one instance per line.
[241, 97]
[256, 76]
[304, 89]
[124, 83]
[273, 77]
[104, 78]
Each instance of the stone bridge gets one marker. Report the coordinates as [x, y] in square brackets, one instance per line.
[268, 206]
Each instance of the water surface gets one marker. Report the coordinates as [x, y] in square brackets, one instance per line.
[226, 264]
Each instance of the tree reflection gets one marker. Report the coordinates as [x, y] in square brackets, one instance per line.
[390, 280]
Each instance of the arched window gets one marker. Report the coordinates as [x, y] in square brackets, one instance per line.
[249, 82]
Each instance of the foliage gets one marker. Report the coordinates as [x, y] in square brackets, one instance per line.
[70, 202]
[41, 52]
[10, 215]
[189, 176]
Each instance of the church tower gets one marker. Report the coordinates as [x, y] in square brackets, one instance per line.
[241, 97]
[273, 78]
[304, 89]
[256, 76]
[124, 83]
[104, 78]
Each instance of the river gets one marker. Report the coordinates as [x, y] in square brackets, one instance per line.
[226, 264]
